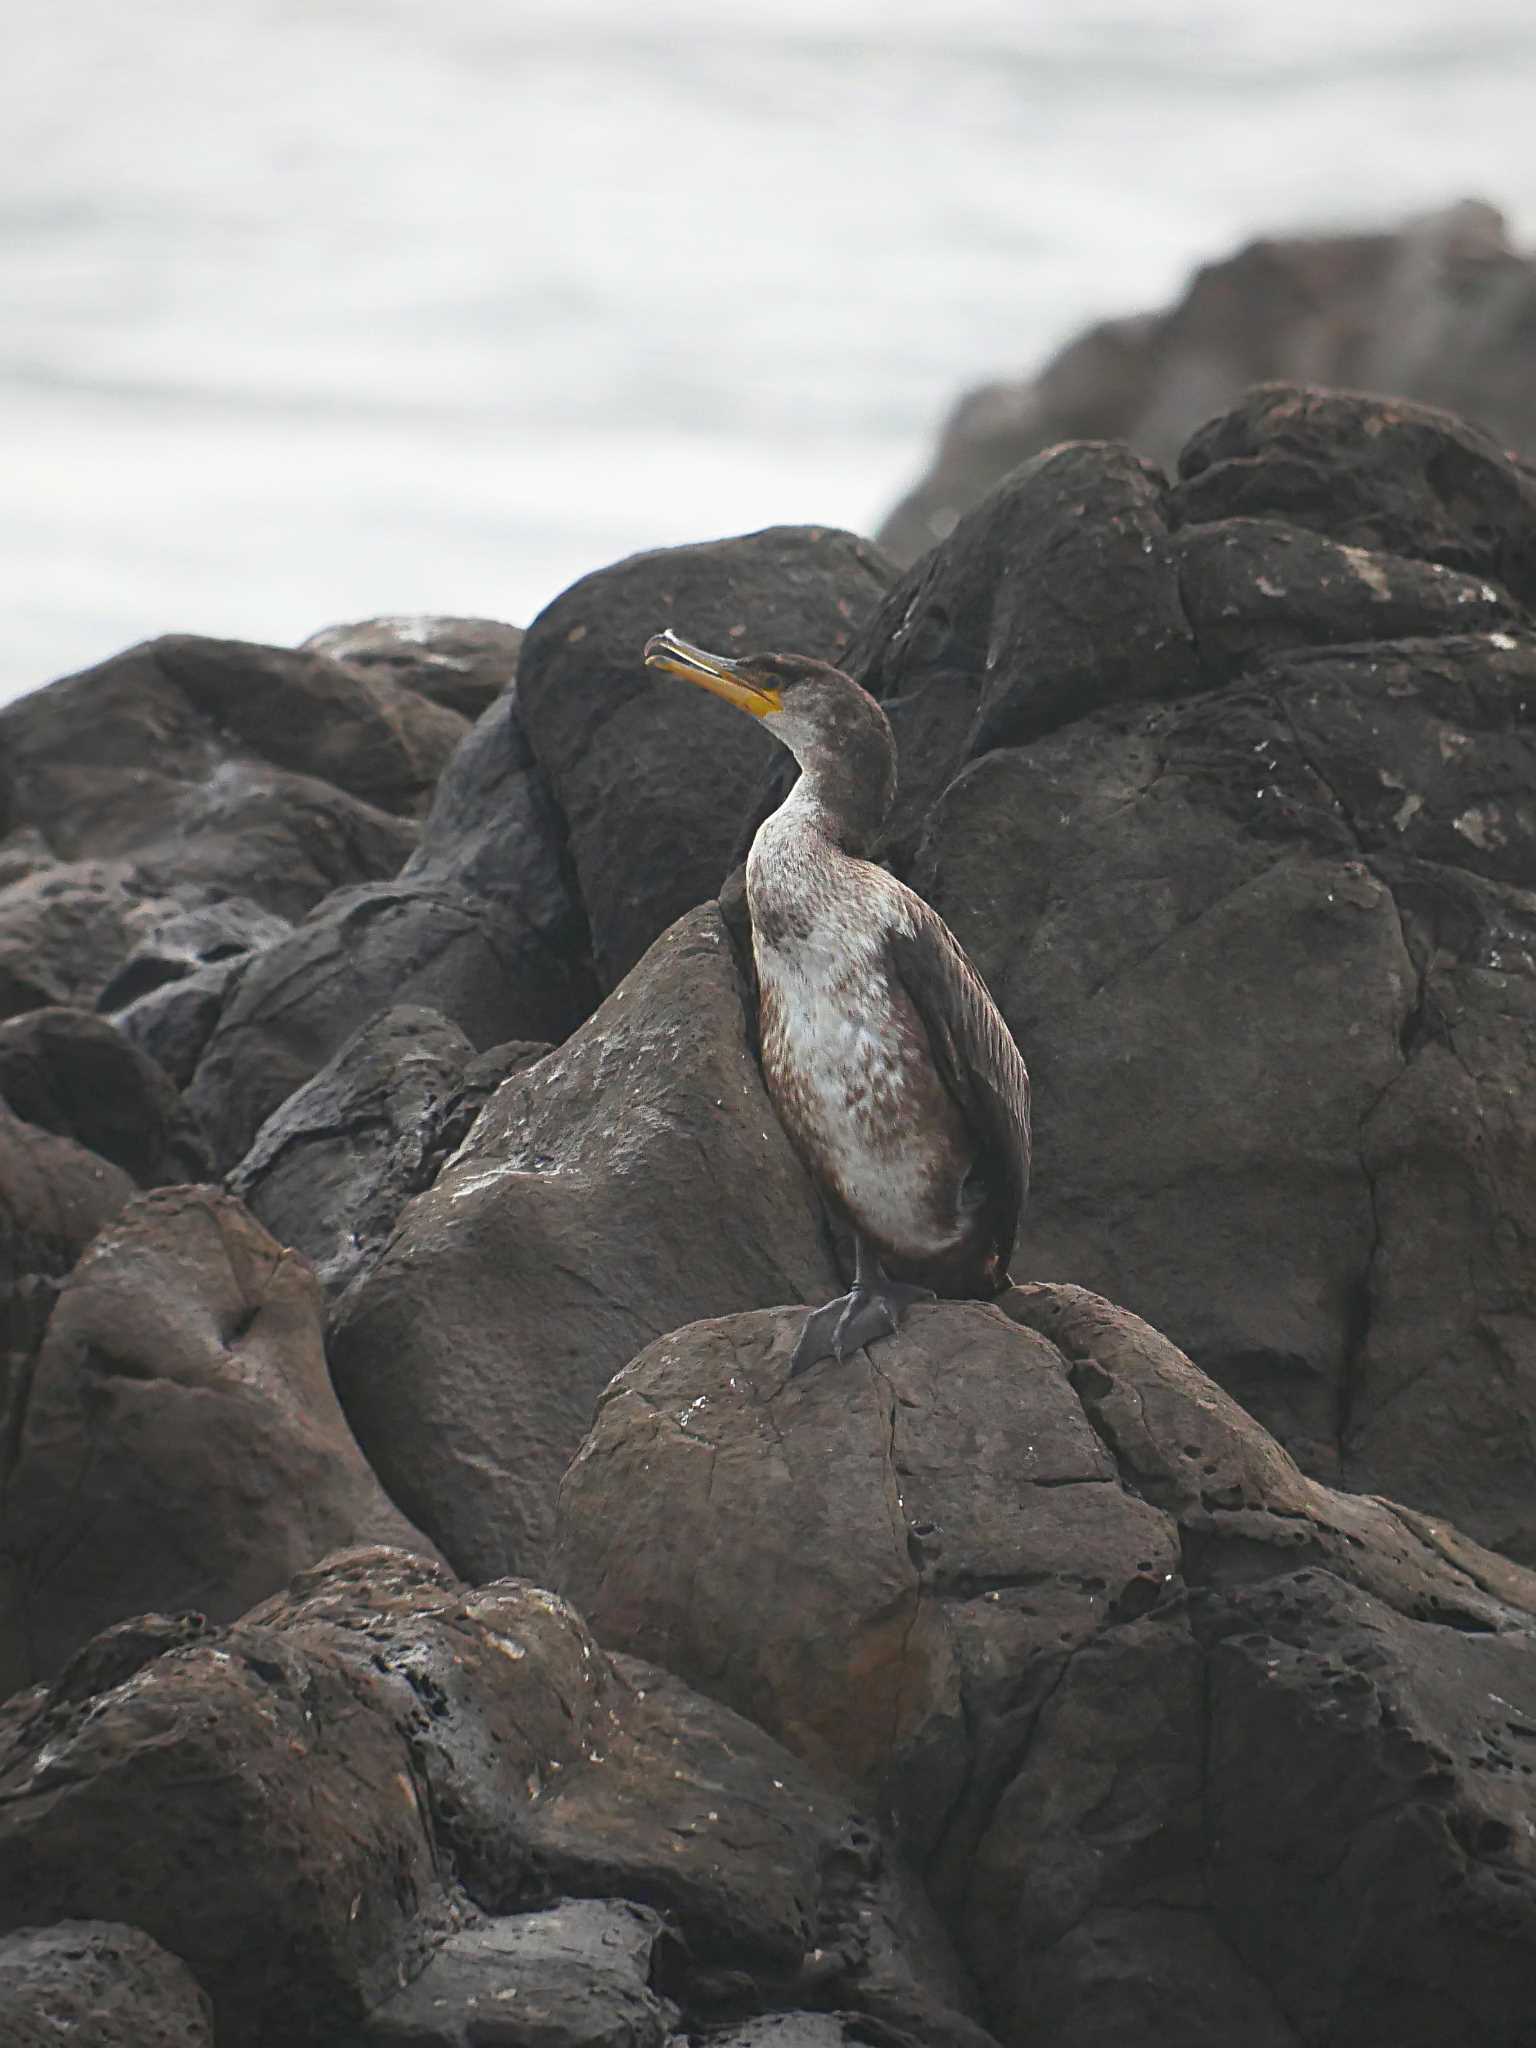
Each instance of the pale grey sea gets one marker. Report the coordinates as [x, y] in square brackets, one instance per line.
[321, 308]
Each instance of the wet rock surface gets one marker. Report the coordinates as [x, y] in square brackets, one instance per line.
[1046, 1672]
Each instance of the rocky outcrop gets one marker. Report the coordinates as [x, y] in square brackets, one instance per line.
[1176, 1732]
[332, 1168]
[1436, 309]
[176, 1443]
[655, 780]
[1170, 1686]
[626, 1183]
[464, 664]
[480, 925]
[307, 1807]
[100, 1985]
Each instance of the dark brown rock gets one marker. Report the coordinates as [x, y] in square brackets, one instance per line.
[481, 926]
[1437, 309]
[1414, 1743]
[1255, 587]
[302, 1806]
[333, 1166]
[70, 1072]
[1269, 955]
[462, 663]
[1059, 594]
[995, 1581]
[655, 779]
[178, 1444]
[868, 1560]
[1367, 472]
[577, 1975]
[98, 1986]
[584, 1214]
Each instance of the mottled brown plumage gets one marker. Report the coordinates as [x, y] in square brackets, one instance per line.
[887, 1060]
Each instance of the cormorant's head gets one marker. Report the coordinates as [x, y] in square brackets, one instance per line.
[819, 713]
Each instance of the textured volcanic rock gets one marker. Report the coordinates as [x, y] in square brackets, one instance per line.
[463, 663]
[1254, 587]
[1370, 473]
[70, 1072]
[98, 1986]
[1437, 309]
[1000, 1578]
[332, 1168]
[1269, 955]
[1060, 593]
[656, 780]
[480, 925]
[178, 1443]
[301, 1804]
[630, 1181]
[577, 1975]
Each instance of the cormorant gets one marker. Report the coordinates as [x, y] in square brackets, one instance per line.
[887, 1061]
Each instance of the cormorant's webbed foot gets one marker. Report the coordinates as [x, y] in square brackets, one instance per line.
[854, 1319]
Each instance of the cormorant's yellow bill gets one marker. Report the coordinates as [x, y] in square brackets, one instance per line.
[731, 680]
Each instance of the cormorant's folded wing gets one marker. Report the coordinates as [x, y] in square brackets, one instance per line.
[975, 1056]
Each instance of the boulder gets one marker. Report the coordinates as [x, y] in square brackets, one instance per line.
[480, 925]
[100, 1986]
[577, 1975]
[1367, 472]
[1434, 309]
[462, 663]
[334, 1165]
[867, 1559]
[178, 1444]
[1266, 953]
[304, 1806]
[70, 1072]
[1024, 1587]
[631, 1181]
[1059, 594]
[650, 834]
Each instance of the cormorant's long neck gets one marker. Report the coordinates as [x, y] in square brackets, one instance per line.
[845, 790]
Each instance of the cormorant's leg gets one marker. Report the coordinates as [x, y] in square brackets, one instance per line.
[871, 1308]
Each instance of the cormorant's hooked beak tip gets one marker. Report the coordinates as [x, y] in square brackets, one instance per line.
[713, 672]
